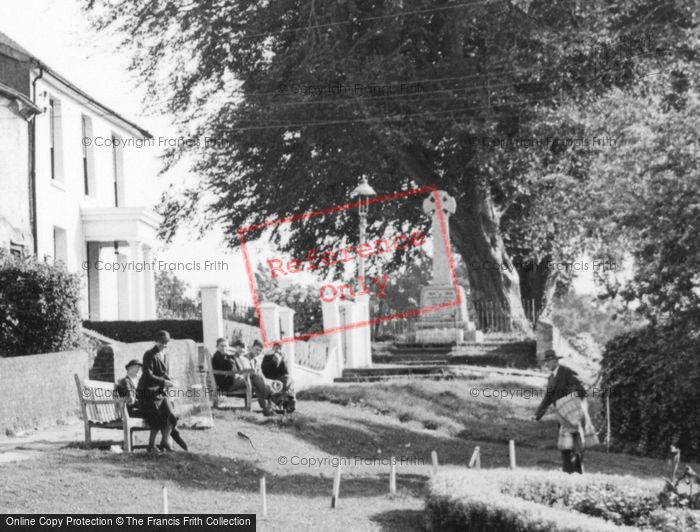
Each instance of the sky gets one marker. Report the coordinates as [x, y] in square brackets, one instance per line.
[58, 33]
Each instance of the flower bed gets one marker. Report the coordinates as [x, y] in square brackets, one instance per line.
[501, 500]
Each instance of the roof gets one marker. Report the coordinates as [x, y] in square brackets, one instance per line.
[22, 101]
[14, 49]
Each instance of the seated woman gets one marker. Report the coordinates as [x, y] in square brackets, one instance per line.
[273, 384]
[156, 407]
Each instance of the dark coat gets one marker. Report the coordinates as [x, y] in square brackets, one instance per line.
[274, 371]
[154, 374]
[151, 390]
[223, 362]
[126, 389]
[564, 383]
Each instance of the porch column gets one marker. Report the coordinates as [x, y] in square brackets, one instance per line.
[149, 285]
[93, 274]
[136, 280]
[123, 288]
[286, 315]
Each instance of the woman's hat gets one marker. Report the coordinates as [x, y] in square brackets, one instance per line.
[133, 362]
[551, 354]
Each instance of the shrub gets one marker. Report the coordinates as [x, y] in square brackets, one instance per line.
[145, 331]
[653, 375]
[503, 500]
[39, 307]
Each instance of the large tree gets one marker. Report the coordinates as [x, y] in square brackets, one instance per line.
[239, 72]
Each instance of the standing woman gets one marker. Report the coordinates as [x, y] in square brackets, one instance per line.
[157, 409]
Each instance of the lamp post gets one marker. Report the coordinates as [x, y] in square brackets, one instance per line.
[364, 191]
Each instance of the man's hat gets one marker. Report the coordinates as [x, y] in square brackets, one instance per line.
[133, 362]
[163, 336]
[238, 343]
[550, 354]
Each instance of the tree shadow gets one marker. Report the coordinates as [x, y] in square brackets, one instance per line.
[213, 472]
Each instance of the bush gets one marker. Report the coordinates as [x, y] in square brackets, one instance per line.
[39, 307]
[653, 375]
[145, 331]
[503, 500]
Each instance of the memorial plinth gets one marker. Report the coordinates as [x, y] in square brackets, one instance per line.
[445, 318]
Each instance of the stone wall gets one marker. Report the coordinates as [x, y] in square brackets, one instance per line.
[39, 390]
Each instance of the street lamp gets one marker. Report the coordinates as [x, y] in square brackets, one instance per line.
[364, 191]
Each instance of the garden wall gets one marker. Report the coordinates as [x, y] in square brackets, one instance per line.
[39, 390]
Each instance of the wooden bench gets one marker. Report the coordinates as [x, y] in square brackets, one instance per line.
[246, 394]
[103, 409]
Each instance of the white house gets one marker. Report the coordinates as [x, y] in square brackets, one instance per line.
[70, 190]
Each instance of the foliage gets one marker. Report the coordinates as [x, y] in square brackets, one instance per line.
[172, 299]
[653, 375]
[145, 331]
[527, 500]
[575, 314]
[273, 85]
[646, 200]
[303, 299]
[39, 307]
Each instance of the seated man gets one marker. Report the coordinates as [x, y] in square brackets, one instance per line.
[273, 384]
[126, 388]
[225, 361]
[255, 354]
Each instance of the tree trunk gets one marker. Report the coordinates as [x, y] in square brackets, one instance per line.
[492, 275]
[537, 283]
[475, 232]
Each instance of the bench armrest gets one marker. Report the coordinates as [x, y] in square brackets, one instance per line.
[102, 401]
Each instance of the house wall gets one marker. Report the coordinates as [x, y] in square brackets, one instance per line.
[14, 178]
[60, 199]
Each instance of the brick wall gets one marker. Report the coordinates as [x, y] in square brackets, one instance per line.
[39, 390]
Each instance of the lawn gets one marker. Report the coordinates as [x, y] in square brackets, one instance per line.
[366, 424]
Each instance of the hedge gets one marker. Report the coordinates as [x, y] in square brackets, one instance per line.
[653, 375]
[503, 500]
[145, 331]
[39, 307]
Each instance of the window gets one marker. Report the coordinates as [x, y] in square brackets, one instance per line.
[60, 245]
[117, 169]
[52, 136]
[16, 250]
[86, 125]
[55, 139]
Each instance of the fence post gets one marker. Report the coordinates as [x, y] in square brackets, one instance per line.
[263, 494]
[336, 488]
[392, 477]
[434, 457]
[511, 453]
[165, 500]
[212, 315]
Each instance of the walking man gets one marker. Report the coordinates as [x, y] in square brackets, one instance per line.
[566, 394]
